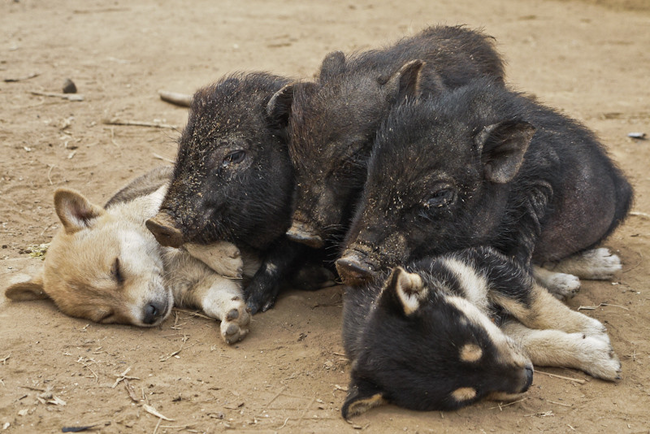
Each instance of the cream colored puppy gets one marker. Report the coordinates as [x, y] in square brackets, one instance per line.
[104, 265]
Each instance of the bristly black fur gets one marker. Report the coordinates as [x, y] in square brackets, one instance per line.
[437, 181]
[233, 179]
[332, 122]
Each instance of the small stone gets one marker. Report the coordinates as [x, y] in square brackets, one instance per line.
[69, 86]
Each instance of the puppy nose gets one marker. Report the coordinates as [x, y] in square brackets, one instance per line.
[153, 311]
[529, 377]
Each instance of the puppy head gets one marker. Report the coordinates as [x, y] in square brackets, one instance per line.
[101, 265]
[423, 349]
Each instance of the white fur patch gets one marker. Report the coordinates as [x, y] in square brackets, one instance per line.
[596, 264]
[473, 284]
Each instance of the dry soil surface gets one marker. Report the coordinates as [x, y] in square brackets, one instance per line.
[590, 59]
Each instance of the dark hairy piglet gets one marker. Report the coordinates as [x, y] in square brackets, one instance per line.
[332, 122]
[482, 165]
[233, 180]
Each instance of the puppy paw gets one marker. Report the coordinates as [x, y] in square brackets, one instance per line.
[598, 359]
[222, 257]
[596, 264]
[235, 323]
[561, 285]
[596, 330]
[231, 264]
[600, 264]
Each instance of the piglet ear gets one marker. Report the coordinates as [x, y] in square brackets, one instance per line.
[407, 289]
[26, 291]
[503, 146]
[278, 108]
[333, 66]
[74, 210]
[406, 82]
[362, 396]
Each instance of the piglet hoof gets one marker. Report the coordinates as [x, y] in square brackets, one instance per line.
[235, 324]
[599, 360]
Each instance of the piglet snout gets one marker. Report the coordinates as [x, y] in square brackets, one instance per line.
[302, 233]
[353, 269]
[162, 227]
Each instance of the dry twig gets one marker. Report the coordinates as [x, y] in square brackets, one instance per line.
[151, 410]
[576, 380]
[26, 77]
[68, 96]
[179, 99]
[601, 305]
[116, 121]
[123, 377]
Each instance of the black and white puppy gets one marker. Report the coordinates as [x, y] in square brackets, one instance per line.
[445, 332]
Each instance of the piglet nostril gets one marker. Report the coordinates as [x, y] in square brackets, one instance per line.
[353, 270]
[305, 234]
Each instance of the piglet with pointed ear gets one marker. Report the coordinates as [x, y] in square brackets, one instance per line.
[332, 122]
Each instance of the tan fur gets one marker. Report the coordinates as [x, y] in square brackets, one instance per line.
[554, 335]
[548, 332]
[546, 312]
[363, 405]
[549, 347]
[471, 353]
[464, 394]
[104, 265]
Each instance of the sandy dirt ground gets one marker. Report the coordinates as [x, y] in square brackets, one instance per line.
[591, 59]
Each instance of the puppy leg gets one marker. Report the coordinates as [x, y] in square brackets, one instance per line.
[223, 299]
[545, 312]
[569, 350]
[561, 285]
[223, 257]
[596, 264]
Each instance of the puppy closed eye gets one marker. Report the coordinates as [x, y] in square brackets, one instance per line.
[116, 272]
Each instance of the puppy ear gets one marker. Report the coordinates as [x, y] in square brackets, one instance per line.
[362, 396]
[503, 146]
[74, 210]
[407, 289]
[333, 66]
[406, 82]
[27, 291]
